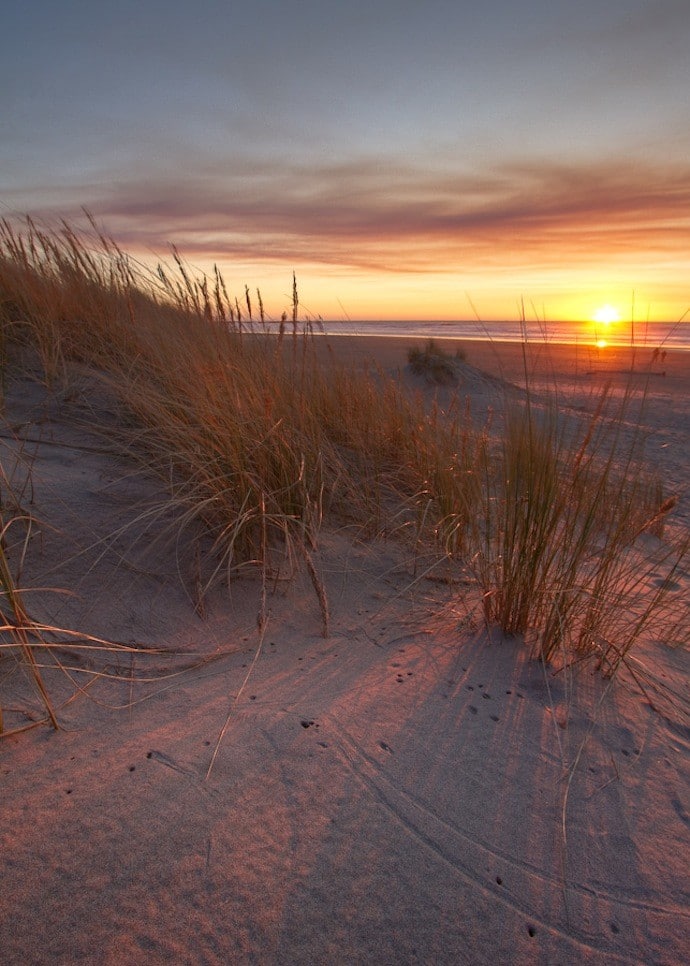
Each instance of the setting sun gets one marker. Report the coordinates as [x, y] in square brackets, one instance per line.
[606, 314]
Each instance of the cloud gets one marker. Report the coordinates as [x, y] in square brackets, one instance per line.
[384, 216]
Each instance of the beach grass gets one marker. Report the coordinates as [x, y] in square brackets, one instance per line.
[434, 363]
[262, 442]
[565, 503]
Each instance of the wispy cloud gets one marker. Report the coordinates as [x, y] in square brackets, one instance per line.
[394, 218]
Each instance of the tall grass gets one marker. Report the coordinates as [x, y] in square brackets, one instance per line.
[262, 441]
[252, 434]
[564, 503]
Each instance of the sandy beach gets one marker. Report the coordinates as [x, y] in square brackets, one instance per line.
[412, 788]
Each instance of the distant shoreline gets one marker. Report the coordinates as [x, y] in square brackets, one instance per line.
[645, 336]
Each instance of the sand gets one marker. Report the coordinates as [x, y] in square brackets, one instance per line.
[411, 789]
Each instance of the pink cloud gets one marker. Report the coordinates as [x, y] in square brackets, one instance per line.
[386, 217]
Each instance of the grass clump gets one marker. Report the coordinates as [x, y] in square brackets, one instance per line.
[558, 554]
[257, 440]
[434, 363]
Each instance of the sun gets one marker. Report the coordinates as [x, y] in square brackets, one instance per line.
[606, 315]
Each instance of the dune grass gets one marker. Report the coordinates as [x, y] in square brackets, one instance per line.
[262, 442]
[434, 363]
[565, 502]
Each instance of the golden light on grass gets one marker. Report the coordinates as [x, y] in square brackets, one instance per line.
[263, 445]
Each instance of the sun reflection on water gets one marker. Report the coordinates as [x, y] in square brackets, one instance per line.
[603, 318]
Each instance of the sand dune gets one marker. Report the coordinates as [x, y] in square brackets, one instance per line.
[411, 789]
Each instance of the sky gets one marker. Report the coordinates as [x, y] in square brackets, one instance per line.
[433, 159]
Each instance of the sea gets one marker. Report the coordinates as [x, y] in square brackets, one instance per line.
[652, 335]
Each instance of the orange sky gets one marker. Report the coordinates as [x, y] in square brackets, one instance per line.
[408, 160]
[412, 244]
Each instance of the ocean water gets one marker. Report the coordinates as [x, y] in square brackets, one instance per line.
[661, 335]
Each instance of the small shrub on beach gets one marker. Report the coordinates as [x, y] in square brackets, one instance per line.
[434, 363]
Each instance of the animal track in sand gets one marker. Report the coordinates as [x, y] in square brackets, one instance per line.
[456, 847]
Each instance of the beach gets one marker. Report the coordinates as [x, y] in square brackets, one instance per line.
[412, 788]
[508, 359]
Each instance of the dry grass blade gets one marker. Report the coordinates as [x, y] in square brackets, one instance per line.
[20, 628]
[28, 636]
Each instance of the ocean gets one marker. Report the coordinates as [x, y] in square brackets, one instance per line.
[652, 335]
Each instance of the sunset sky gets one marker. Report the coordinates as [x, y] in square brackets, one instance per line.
[406, 159]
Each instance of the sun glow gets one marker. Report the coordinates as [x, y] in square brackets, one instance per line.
[606, 314]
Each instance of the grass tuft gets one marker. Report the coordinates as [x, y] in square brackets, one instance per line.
[434, 363]
[559, 554]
